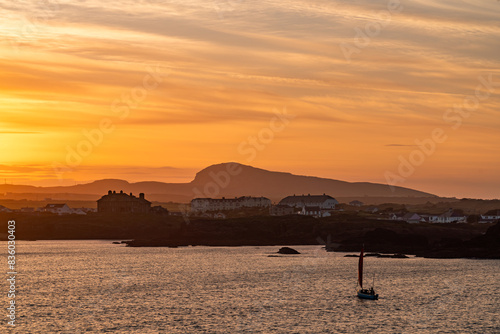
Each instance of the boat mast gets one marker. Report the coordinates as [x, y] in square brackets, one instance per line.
[360, 268]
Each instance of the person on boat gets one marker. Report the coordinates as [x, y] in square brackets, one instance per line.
[372, 292]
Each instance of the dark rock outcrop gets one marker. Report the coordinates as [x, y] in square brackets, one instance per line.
[486, 246]
[390, 256]
[287, 250]
[394, 256]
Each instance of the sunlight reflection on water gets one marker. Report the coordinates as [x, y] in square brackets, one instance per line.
[94, 286]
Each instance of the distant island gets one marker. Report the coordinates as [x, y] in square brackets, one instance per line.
[224, 180]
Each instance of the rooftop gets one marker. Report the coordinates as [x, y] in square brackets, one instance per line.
[492, 213]
[307, 198]
[121, 196]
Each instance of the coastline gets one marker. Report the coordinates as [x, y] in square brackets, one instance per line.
[341, 233]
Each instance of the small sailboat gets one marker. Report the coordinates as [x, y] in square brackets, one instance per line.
[364, 293]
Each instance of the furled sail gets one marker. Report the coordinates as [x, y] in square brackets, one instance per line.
[360, 269]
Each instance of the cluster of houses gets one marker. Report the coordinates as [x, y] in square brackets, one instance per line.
[320, 206]
[113, 202]
[201, 205]
[59, 209]
[450, 216]
[309, 205]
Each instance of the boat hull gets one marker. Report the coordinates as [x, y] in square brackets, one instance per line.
[367, 296]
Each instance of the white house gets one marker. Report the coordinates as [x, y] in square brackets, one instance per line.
[491, 215]
[323, 201]
[315, 211]
[413, 218]
[409, 217]
[451, 216]
[396, 216]
[60, 209]
[226, 204]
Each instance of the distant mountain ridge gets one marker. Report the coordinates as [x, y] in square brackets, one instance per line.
[229, 180]
[256, 181]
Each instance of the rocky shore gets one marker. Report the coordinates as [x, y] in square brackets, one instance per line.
[486, 246]
[342, 232]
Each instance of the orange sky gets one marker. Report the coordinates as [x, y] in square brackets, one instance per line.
[166, 89]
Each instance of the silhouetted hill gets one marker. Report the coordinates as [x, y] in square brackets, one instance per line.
[228, 179]
[260, 182]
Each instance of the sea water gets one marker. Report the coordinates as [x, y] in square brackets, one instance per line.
[99, 287]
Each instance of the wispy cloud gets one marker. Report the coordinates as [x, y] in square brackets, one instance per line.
[60, 75]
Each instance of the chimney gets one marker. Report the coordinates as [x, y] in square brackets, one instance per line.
[121, 191]
[141, 195]
[109, 192]
[114, 192]
[130, 194]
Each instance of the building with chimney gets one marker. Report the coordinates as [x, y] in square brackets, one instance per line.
[121, 202]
